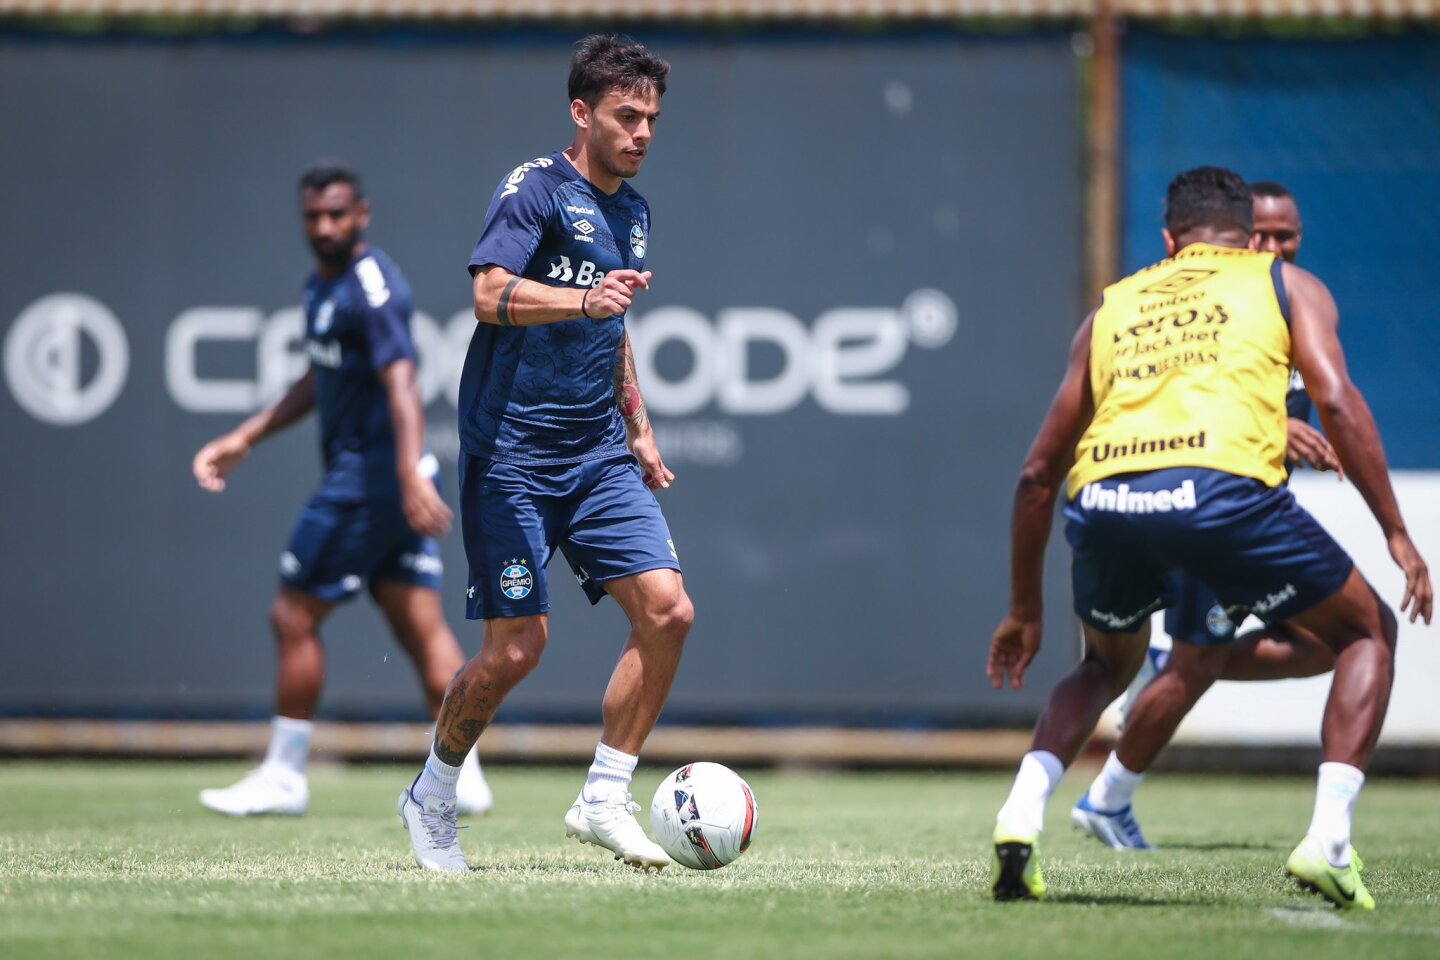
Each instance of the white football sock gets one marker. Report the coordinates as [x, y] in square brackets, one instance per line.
[1114, 789]
[436, 780]
[1039, 775]
[1335, 794]
[289, 745]
[609, 774]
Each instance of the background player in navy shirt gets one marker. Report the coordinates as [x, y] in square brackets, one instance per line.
[375, 516]
[557, 451]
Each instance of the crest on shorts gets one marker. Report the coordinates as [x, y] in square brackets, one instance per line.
[1218, 622]
[516, 580]
[637, 240]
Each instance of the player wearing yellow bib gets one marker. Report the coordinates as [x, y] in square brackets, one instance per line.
[1209, 648]
[1172, 415]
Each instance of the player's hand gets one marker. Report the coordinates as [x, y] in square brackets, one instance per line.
[1307, 446]
[425, 511]
[1419, 595]
[217, 459]
[1012, 648]
[612, 297]
[653, 471]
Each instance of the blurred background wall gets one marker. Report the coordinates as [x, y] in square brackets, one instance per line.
[873, 238]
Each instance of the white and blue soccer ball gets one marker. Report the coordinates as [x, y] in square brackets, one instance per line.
[704, 815]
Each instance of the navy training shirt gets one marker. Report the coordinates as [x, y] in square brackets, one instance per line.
[1297, 401]
[546, 394]
[356, 325]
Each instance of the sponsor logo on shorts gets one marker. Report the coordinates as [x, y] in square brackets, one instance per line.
[1272, 600]
[516, 580]
[351, 583]
[1218, 622]
[422, 563]
[1126, 622]
[470, 593]
[671, 544]
[289, 564]
[582, 576]
[1121, 499]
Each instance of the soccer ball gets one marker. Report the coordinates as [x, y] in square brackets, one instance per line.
[704, 815]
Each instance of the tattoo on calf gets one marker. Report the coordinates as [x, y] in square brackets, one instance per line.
[448, 755]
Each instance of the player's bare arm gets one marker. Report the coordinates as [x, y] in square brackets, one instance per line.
[220, 456]
[638, 433]
[506, 300]
[425, 511]
[1314, 322]
[1017, 639]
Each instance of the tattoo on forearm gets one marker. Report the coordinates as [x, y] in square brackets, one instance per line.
[505, 309]
[627, 389]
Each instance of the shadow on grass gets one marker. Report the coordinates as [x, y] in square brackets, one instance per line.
[1078, 899]
[539, 868]
[1205, 845]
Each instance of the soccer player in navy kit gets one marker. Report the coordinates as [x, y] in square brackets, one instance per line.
[549, 405]
[1272, 652]
[377, 512]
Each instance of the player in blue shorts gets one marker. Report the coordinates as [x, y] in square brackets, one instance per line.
[1170, 423]
[1195, 615]
[558, 453]
[374, 519]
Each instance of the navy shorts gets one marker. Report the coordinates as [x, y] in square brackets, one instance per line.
[1193, 613]
[1260, 551]
[338, 546]
[599, 513]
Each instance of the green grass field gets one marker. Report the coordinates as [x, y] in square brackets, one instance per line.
[119, 860]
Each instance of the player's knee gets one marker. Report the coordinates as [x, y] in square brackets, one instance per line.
[673, 618]
[520, 658]
[289, 622]
[517, 650]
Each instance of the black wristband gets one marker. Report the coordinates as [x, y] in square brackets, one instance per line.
[582, 303]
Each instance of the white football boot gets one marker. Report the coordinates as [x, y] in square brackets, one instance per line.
[472, 793]
[266, 789]
[611, 823]
[432, 831]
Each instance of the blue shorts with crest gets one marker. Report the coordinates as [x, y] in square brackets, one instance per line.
[338, 546]
[599, 513]
[1259, 550]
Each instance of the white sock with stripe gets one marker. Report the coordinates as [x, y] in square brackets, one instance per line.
[436, 780]
[1114, 789]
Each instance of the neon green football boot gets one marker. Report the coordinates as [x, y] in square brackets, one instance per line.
[1341, 886]
[1016, 875]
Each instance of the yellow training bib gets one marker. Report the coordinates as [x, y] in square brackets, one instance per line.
[1189, 364]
